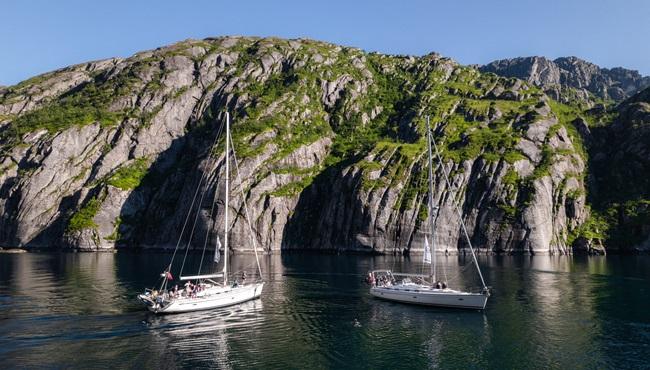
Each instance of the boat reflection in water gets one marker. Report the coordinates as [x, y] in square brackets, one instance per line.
[207, 338]
[434, 335]
[77, 310]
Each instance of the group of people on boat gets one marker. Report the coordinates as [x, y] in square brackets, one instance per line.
[190, 290]
[389, 280]
[382, 280]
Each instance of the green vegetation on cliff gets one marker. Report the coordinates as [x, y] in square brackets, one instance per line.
[307, 113]
[129, 176]
[83, 218]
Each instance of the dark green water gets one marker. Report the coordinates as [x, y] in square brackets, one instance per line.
[78, 310]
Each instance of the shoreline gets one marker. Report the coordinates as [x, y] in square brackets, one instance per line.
[418, 252]
[13, 250]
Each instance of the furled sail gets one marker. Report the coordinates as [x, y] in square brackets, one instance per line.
[427, 252]
[217, 255]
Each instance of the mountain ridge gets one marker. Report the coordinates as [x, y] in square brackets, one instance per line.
[615, 84]
[108, 153]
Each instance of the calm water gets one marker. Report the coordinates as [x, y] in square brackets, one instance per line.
[78, 310]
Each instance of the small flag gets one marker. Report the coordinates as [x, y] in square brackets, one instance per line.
[169, 276]
[217, 255]
[427, 251]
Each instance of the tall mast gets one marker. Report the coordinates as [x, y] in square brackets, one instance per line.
[460, 215]
[430, 210]
[225, 224]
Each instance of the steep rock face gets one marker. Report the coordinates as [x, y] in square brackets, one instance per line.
[377, 205]
[537, 70]
[621, 186]
[554, 76]
[329, 142]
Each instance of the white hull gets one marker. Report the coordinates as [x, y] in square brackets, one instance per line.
[425, 295]
[214, 298]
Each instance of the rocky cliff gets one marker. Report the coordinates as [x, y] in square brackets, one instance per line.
[620, 165]
[330, 147]
[569, 78]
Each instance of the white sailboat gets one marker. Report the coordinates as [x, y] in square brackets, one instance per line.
[207, 291]
[428, 289]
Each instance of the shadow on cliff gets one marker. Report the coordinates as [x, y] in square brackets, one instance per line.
[329, 216]
[303, 230]
[150, 213]
[154, 211]
[133, 223]
[160, 190]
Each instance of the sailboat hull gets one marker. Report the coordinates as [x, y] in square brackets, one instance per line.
[217, 297]
[424, 295]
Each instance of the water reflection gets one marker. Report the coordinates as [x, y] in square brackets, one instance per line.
[78, 310]
[559, 294]
[396, 330]
[207, 338]
[64, 283]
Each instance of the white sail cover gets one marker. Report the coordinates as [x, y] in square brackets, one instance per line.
[427, 251]
[217, 255]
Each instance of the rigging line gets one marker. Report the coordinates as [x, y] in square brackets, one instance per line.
[243, 269]
[419, 185]
[432, 233]
[189, 211]
[214, 201]
[460, 272]
[198, 212]
[241, 189]
[462, 223]
[214, 221]
[430, 219]
[443, 265]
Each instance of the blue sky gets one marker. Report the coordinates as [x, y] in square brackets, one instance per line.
[41, 35]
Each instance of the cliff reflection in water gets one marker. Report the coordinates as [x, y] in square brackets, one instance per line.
[79, 310]
[66, 283]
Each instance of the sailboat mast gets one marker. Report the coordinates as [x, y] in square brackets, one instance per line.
[460, 215]
[430, 210]
[225, 224]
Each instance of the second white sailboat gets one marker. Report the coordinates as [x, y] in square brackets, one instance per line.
[427, 289]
